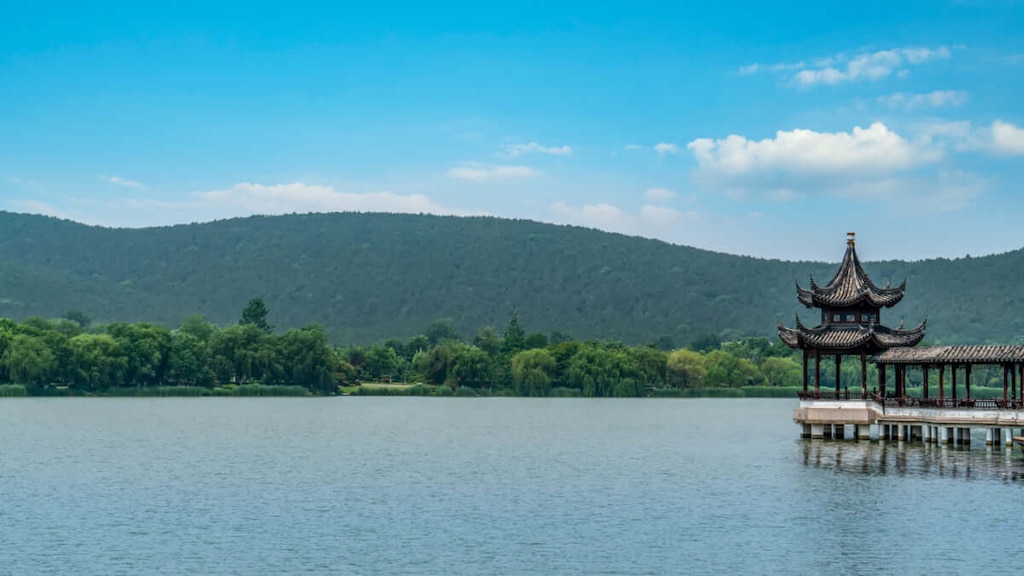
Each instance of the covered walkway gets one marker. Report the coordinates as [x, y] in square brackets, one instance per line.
[956, 360]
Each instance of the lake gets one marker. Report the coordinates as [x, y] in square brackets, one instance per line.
[484, 486]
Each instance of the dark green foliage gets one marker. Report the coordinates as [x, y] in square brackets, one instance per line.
[81, 318]
[706, 342]
[255, 313]
[366, 277]
[514, 337]
[440, 330]
[12, 390]
[535, 340]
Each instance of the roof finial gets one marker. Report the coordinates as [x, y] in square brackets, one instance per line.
[851, 239]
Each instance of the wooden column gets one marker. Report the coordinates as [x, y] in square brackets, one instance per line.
[924, 381]
[942, 374]
[817, 373]
[881, 379]
[805, 370]
[863, 375]
[953, 395]
[1021, 369]
[1013, 381]
[967, 379]
[839, 359]
[1005, 381]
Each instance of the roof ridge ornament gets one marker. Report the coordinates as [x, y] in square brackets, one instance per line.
[851, 239]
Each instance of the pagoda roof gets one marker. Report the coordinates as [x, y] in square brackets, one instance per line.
[869, 337]
[849, 287]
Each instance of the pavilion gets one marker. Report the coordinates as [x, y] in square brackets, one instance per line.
[851, 325]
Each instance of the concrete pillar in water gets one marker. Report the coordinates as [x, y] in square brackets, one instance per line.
[863, 432]
[817, 431]
[901, 432]
[990, 436]
[926, 433]
[805, 430]
[944, 435]
[1008, 437]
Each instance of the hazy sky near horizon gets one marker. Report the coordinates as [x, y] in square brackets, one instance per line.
[761, 128]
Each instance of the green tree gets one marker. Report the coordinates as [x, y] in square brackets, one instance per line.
[436, 364]
[147, 349]
[440, 330]
[308, 360]
[531, 372]
[381, 361]
[255, 313]
[651, 365]
[187, 364]
[665, 343]
[535, 340]
[29, 360]
[235, 353]
[726, 370]
[473, 367]
[78, 317]
[686, 368]
[98, 362]
[781, 371]
[514, 338]
[599, 370]
[706, 342]
[418, 343]
[197, 326]
[488, 340]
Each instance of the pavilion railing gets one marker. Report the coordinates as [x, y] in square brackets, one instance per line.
[953, 403]
[832, 395]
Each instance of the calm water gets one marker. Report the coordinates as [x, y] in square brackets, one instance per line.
[484, 486]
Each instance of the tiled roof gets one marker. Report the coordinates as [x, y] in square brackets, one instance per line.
[952, 355]
[849, 287]
[870, 337]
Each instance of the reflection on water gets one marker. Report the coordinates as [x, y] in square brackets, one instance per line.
[914, 459]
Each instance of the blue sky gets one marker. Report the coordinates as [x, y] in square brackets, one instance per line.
[755, 128]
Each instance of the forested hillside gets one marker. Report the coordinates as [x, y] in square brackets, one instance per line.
[367, 277]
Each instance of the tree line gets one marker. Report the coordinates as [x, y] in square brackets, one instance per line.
[72, 355]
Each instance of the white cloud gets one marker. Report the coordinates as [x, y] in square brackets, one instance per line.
[936, 99]
[865, 163]
[513, 150]
[634, 147]
[650, 221]
[660, 216]
[869, 66]
[248, 198]
[37, 207]
[1006, 138]
[1000, 138]
[844, 67]
[663, 148]
[122, 182]
[872, 149]
[476, 173]
[658, 195]
[243, 199]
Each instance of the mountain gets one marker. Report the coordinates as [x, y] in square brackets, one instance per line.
[366, 277]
